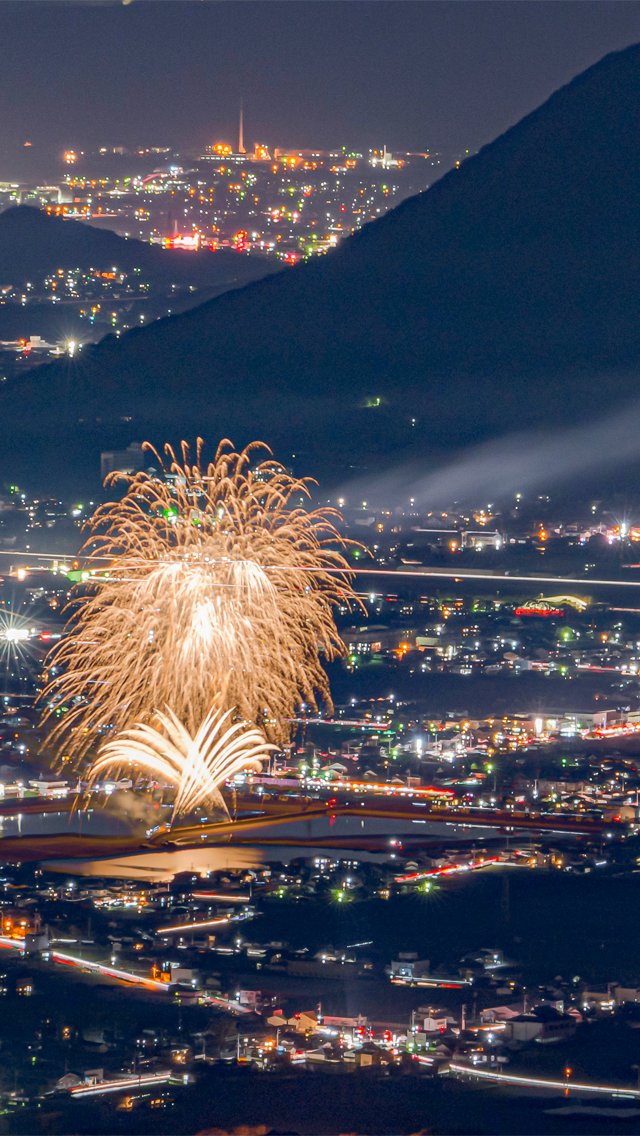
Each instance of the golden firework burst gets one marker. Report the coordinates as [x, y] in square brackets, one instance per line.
[218, 577]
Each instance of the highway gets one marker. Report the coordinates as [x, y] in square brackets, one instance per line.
[502, 819]
[406, 804]
[498, 577]
[141, 1081]
[110, 972]
[86, 965]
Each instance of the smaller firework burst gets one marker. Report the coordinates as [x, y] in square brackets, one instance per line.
[196, 765]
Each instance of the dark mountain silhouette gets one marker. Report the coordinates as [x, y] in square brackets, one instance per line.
[504, 296]
[34, 245]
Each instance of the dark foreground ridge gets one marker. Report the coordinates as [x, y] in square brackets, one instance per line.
[497, 299]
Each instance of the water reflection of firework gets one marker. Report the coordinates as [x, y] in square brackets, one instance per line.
[216, 575]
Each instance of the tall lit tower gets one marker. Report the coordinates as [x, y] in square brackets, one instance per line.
[241, 149]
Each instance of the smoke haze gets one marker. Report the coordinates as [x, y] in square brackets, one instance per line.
[519, 463]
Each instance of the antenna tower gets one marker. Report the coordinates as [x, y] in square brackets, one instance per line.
[241, 149]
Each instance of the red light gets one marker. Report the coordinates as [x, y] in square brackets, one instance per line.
[543, 613]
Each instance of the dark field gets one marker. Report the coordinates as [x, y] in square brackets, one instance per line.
[556, 922]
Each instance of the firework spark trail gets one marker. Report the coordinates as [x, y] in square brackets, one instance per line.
[197, 765]
[217, 578]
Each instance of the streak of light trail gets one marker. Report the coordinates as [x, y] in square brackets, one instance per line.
[192, 926]
[398, 576]
[222, 896]
[538, 1082]
[17, 944]
[461, 574]
[109, 971]
[142, 1080]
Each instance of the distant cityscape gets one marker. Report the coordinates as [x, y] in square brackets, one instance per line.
[281, 207]
[278, 202]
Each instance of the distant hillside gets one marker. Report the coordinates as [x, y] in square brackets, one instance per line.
[32, 244]
[497, 299]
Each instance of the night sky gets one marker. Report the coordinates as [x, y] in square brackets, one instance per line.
[447, 76]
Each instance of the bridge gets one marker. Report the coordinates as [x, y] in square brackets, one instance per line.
[258, 816]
